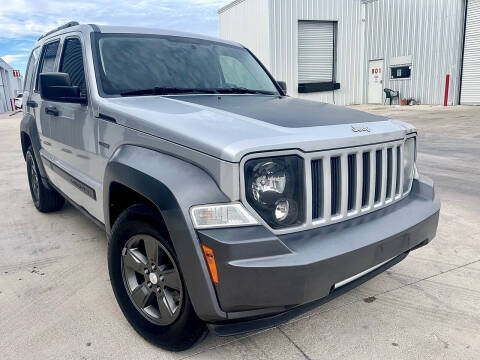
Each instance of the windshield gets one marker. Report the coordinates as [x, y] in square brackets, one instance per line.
[160, 65]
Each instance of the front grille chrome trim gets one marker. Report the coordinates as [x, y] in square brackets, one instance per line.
[362, 206]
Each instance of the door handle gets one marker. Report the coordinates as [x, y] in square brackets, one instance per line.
[32, 103]
[51, 110]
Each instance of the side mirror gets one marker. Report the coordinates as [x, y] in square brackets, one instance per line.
[56, 86]
[283, 86]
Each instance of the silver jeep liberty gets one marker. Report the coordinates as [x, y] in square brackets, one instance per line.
[228, 205]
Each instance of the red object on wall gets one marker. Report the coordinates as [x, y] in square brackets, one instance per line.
[447, 84]
[16, 73]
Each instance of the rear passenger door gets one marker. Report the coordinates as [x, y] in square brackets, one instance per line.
[28, 85]
[37, 106]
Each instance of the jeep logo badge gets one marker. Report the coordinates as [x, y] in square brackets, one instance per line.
[360, 128]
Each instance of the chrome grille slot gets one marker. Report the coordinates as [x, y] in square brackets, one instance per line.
[352, 180]
[378, 175]
[317, 189]
[399, 170]
[336, 185]
[366, 178]
[388, 194]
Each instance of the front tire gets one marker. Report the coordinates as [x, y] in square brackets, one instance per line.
[148, 283]
[45, 200]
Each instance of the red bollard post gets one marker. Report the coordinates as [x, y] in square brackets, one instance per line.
[11, 104]
[447, 84]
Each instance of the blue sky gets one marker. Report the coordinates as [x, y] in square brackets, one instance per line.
[23, 21]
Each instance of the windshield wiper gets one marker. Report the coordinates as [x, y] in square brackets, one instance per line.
[242, 90]
[167, 91]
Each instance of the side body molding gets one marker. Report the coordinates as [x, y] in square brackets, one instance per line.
[173, 185]
[28, 126]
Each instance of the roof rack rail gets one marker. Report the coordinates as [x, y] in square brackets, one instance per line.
[64, 26]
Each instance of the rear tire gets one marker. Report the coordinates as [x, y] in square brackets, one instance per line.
[45, 200]
[147, 286]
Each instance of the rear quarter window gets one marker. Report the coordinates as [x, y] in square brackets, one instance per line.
[32, 64]
[47, 62]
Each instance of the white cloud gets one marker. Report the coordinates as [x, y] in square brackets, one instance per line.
[22, 21]
[20, 18]
[14, 58]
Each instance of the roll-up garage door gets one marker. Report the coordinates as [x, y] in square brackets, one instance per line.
[316, 41]
[471, 58]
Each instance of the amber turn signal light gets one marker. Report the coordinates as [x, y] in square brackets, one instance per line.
[212, 266]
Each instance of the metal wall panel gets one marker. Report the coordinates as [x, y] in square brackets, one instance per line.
[431, 31]
[471, 59]
[248, 22]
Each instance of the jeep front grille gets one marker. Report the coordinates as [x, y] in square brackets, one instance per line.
[349, 182]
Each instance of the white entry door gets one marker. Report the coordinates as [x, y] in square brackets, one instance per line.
[375, 82]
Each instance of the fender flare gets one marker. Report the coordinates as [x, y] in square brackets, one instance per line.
[173, 185]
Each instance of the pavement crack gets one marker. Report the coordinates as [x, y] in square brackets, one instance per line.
[306, 357]
[427, 278]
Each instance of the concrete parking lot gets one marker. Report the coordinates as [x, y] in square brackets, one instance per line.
[56, 301]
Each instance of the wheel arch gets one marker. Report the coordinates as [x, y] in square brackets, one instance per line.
[172, 185]
[29, 137]
[25, 141]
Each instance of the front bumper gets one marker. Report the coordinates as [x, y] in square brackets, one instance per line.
[274, 277]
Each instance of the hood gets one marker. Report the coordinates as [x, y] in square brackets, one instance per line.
[230, 126]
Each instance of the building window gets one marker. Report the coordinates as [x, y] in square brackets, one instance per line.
[317, 56]
[401, 72]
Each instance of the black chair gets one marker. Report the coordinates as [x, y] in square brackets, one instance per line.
[391, 94]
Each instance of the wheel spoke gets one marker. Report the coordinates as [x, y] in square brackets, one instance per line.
[152, 249]
[134, 260]
[141, 295]
[165, 306]
[171, 279]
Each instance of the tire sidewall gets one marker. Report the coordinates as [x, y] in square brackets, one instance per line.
[173, 336]
[30, 158]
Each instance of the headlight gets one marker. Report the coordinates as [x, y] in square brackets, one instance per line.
[409, 156]
[274, 188]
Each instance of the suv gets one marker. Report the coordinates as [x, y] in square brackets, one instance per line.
[18, 101]
[227, 204]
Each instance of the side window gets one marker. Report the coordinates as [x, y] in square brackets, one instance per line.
[236, 74]
[401, 72]
[32, 62]
[72, 64]
[47, 63]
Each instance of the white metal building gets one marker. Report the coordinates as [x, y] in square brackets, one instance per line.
[10, 86]
[348, 51]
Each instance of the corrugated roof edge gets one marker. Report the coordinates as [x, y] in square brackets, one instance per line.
[229, 5]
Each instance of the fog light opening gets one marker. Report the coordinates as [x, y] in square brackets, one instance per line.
[286, 211]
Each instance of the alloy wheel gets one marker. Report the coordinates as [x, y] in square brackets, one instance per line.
[152, 279]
